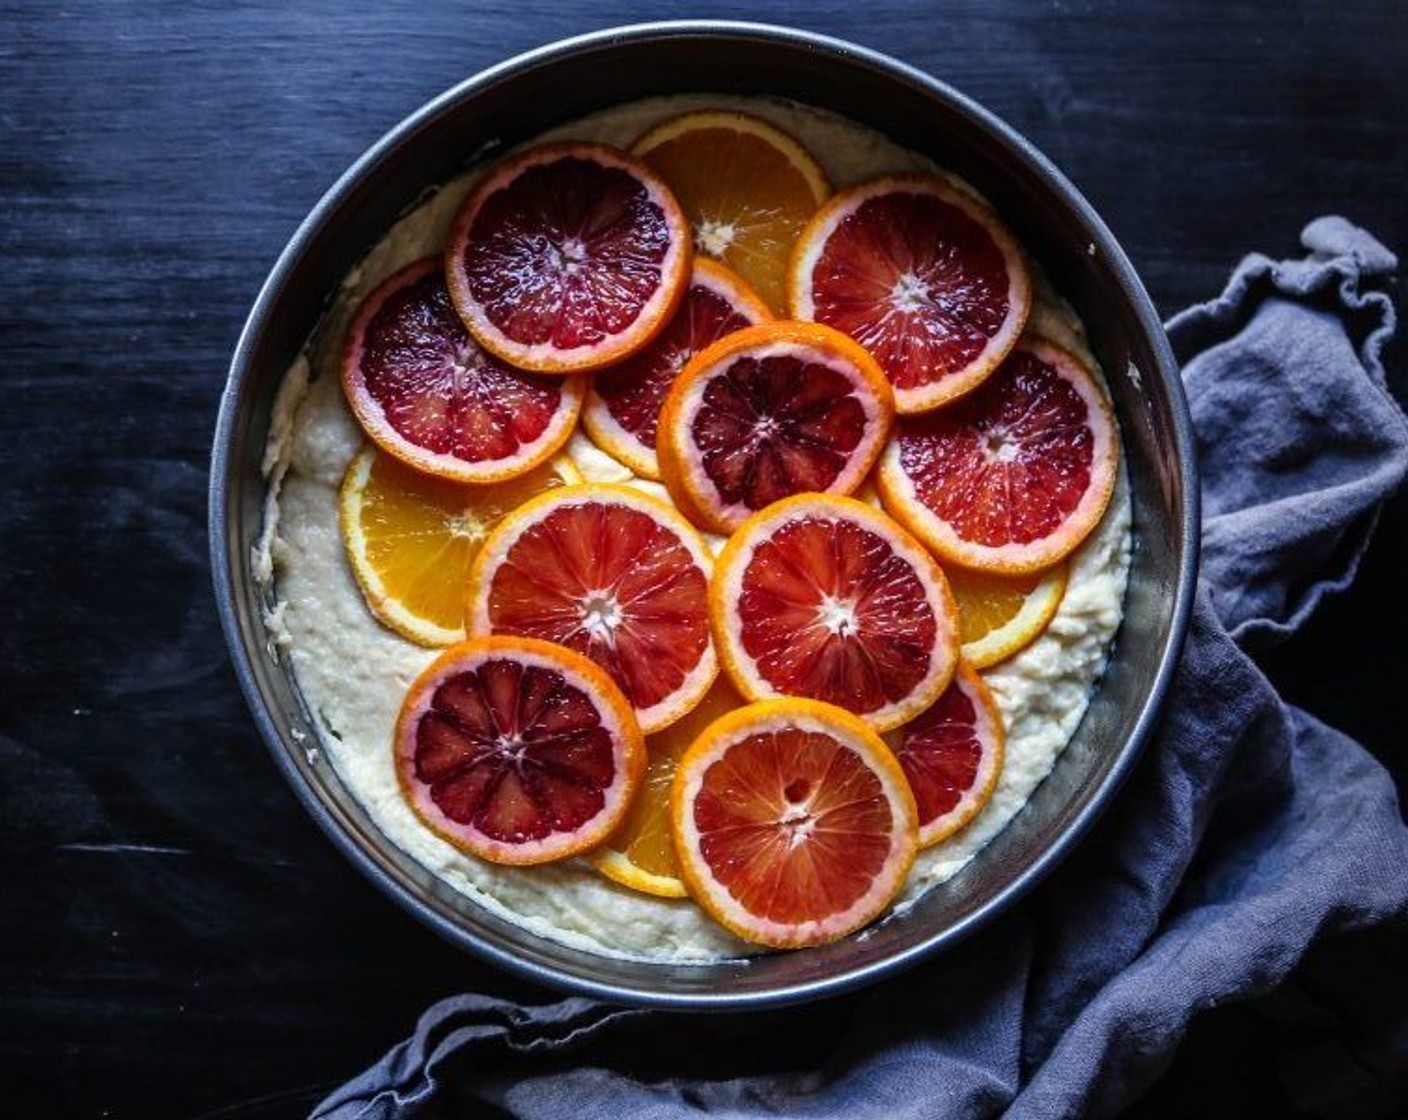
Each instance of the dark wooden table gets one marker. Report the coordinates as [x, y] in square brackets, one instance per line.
[176, 938]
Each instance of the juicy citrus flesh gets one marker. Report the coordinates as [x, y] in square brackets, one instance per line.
[827, 599]
[568, 257]
[614, 575]
[623, 407]
[952, 755]
[775, 410]
[999, 616]
[923, 276]
[793, 823]
[518, 751]
[425, 391]
[747, 187]
[1013, 477]
[641, 853]
[410, 537]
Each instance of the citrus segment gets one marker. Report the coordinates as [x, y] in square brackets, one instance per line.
[827, 598]
[425, 391]
[518, 751]
[622, 410]
[746, 185]
[952, 755]
[767, 412]
[999, 616]
[793, 823]
[922, 275]
[613, 574]
[567, 257]
[641, 853]
[410, 537]
[1012, 478]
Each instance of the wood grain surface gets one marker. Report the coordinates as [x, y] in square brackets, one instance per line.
[176, 938]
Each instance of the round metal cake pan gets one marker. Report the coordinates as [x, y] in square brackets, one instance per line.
[511, 103]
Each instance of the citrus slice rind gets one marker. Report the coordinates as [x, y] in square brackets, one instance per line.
[767, 412]
[410, 537]
[567, 257]
[827, 598]
[1013, 478]
[920, 273]
[622, 408]
[616, 575]
[517, 751]
[747, 186]
[999, 616]
[426, 393]
[617, 866]
[640, 854]
[952, 755]
[793, 823]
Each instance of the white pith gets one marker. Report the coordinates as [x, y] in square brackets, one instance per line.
[909, 293]
[714, 238]
[837, 615]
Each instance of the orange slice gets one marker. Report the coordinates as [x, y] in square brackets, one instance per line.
[827, 598]
[922, 275]
[518, 751]
[767, 412]
[1014, 477]
[999, 616]
[613, 574]
[952, 755]
[641, 853]
[425, 391]
[568, 257]
[410, 537]
[793, 823]
[747, 186]
[622, 412]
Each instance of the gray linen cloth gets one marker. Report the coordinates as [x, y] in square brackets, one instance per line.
[1248, 830]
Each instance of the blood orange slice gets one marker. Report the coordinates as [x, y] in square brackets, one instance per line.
[767, 412]
[827, 598]
[746, 185]
[613, 574]
[952, 755]
[568, 257]
[641, 853]
[623, 405]
[793, 823]
[425, 391]
[518, 751]
[410, 537]
[922, 275]
[1014, 477]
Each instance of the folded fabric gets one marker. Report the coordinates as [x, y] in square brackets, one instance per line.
[1248, 830]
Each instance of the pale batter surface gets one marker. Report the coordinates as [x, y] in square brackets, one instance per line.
[353, 672]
